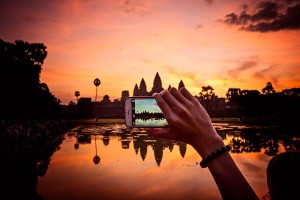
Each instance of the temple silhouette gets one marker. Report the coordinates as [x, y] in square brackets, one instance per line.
[156, 88]
[86, 108]
[141, 142]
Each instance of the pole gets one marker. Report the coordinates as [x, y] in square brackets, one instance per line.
[96, 93]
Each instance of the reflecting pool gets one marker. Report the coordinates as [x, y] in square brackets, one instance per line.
[115, 162]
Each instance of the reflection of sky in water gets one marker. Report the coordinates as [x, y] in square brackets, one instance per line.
[133, 173]
[151, 122]
[148, 104]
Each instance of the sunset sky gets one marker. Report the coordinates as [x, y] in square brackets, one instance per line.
[225, 44]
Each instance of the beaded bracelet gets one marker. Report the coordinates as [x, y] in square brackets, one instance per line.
[213, 155]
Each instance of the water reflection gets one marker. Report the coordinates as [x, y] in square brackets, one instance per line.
[247, 139]
[32, 167]
[96, 158]
[137, 166]
[243, 139]
[138, 136]
[151, 122]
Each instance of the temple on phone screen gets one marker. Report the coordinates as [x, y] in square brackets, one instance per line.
[147, 113]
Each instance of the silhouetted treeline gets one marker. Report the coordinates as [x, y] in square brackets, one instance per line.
[148, 115]
[23, 95]
[249, 104]
[269, 103]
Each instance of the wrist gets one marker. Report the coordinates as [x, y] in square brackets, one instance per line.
[214, 155]
[205, 146]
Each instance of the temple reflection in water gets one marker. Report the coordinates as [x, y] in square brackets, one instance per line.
[140, 139]
[242, 139]
[110, 154]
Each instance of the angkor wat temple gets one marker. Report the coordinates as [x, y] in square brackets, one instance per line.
[86, 108]
[156, 88]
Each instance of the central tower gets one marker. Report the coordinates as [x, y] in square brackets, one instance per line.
[157, 84]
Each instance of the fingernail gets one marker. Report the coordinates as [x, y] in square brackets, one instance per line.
[162, 92]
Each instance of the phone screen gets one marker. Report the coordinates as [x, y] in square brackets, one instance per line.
[146, 113]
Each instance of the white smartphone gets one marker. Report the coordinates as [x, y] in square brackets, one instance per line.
[143, 112]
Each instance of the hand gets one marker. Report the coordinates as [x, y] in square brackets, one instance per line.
[188, 121]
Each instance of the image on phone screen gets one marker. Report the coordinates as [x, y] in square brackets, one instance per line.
[146, 113]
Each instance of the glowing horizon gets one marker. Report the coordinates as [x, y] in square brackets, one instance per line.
[122, 41]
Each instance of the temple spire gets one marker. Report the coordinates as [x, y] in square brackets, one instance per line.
[136, 90]
[143, 88]
[157, 84]
[180, 85]
[169, 87]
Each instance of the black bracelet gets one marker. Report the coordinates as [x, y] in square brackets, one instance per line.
[213, 155]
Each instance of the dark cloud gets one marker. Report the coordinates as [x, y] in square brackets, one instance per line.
[267, 74]
[209, 1]
[267, 16]
[262, 73]
[244, 66]
[244, 7]
[266, 10]
[131, 6]
[199, 26]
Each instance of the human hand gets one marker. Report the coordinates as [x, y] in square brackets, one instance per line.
[188, 121]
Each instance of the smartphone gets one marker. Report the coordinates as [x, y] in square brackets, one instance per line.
[143, 112]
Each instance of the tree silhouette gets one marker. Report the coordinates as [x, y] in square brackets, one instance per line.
[96, 83]
[77, 94]
[207, 94]
[293, 92]
[269, 89]
[232, 93]
[106, 98]
[249, 93]
[96, 158]
[232, 96]
[21, 65]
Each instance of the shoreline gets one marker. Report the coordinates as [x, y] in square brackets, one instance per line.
[95, 121]
[259, 121]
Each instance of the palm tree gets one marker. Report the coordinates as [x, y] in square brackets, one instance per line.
[77, 94]
[96, 83]
[96, 158]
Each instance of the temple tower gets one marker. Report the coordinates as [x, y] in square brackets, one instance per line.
[136, 90]
[157, 84]
[180, 85]
[169, 87]
[143, 88]
[124, 95]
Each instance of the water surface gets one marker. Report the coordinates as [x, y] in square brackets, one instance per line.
[114, 162]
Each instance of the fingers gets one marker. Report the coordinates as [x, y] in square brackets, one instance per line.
[178, 95]
[164, 106]
[187, 94]
[173, 103]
